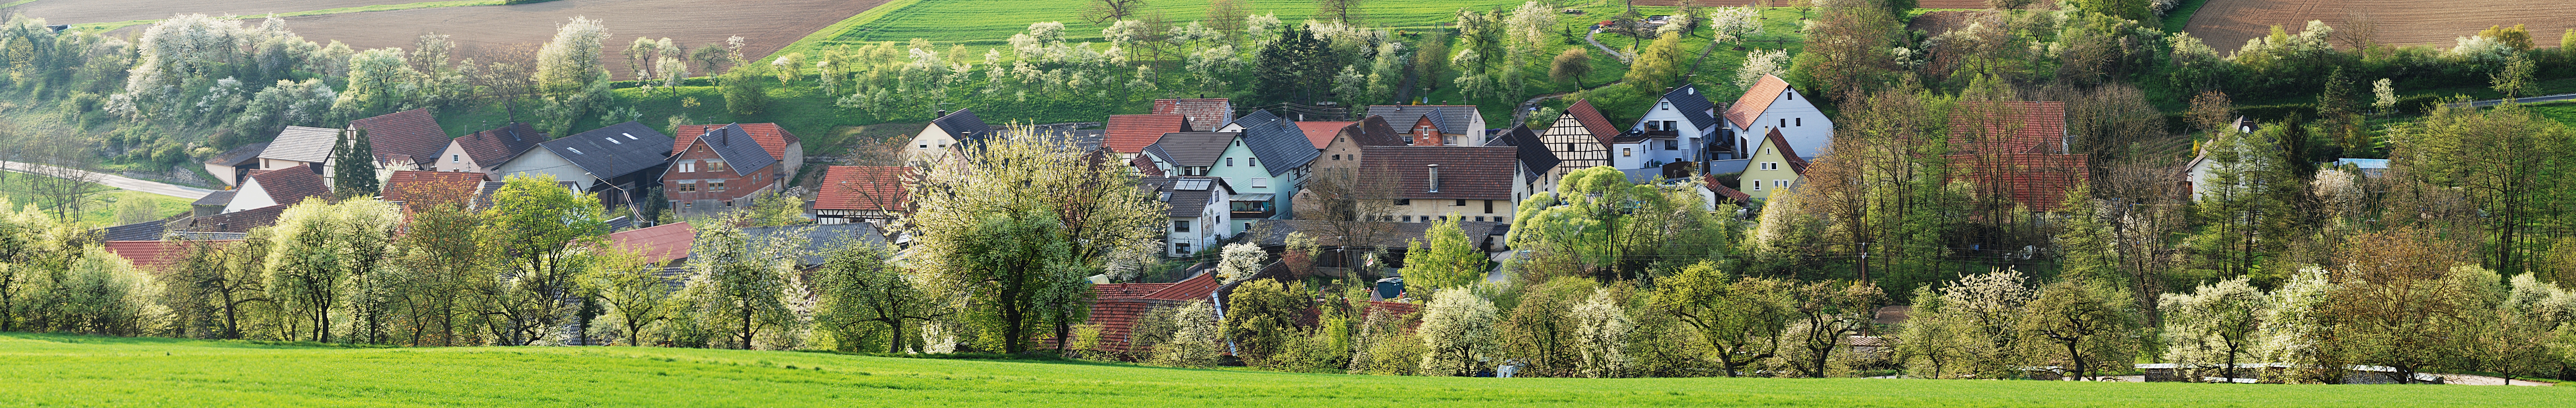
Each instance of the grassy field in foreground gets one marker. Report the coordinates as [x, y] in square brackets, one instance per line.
[57, 370]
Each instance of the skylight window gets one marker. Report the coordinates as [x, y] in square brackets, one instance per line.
[612, 140]
[630, 136]
[574, 151]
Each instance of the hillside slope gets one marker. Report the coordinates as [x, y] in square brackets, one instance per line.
[97, 371]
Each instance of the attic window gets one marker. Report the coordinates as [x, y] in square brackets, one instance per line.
[1667, 105]
[1791, 95]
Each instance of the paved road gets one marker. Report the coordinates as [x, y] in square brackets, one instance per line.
[2535, 99]
[123, 182]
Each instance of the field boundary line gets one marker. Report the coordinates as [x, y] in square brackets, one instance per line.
[827, 33]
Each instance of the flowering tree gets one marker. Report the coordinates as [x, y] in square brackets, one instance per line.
[1458, 330]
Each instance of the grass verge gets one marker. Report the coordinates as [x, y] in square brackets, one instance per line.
[97, 371]
[2180, 17]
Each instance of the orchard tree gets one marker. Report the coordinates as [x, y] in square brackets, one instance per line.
[1451, 260]
[863, 290]
[318, 250]
[542, 233]
[2217, 325]
[1737, 316]
[1016, 222]
[1458, 330]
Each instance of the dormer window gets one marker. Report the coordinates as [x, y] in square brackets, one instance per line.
[1434, 178]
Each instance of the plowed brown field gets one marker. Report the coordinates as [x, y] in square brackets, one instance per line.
[2226, 24]
[1934, 4]
[765, 25]
[104, 11]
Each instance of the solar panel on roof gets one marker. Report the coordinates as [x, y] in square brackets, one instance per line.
[1193, 185]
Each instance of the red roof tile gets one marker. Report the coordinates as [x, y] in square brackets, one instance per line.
[1207, 113]
[154, 254]
[1322, 132]
[404, 185]
[1466, 172]
[658, 243]
[1755, 100]
[1592, 121]
[491, 148]
[1131, 133]
[2037, 181]
[412, 133]
[1721, 189]
[770, 136]
[1196, 287]
[2008, 127]
[1144, 165]
[879, 188]
[292, 184]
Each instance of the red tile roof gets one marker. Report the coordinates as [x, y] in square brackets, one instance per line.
[412, 133]
[154, 254]
[1322, 132]
[1797, 164]
[879, 188]
[1593, 122]
[1721, 189]
[770, 136]
[1392, 308]
[2008, 127]
[491, 148]
[1466, 172]
[404, 185]
[1196, 287]
[1755, 100]
[292, 184]
[2037, 181]
[658, 243]
[1126, 290]
[1144, 165]
[1207, 113]
[1131, 133]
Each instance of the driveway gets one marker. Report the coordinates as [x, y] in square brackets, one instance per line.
[117, 181]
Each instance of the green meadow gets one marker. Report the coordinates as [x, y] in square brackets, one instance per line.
[69, 370]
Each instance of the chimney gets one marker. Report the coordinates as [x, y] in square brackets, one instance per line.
[1435, 178]
[942, 113]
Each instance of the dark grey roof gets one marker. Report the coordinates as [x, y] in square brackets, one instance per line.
[618, 149]
[1189, 194]
[1281, 146]
[1533, 154]
[738, 149]
[220, 197]
[1451, 119]
[238, 155]
[1693, 104]
[621, 223]
[821, 239]
[1192, 148]
[1728, 166]
[141, 231]
[964, 126]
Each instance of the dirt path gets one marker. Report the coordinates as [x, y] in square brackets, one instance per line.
[117, 181]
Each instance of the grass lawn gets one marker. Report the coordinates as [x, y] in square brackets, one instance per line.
[100, 210]
[96, 371]
[2563, 112]
[2180, 16]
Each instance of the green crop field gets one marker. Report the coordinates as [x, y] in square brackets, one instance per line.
[101, 208]
[65, 370]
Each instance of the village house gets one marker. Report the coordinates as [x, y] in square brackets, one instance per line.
[406, 140]
[294, 146]
[783, 146]
[1676, 130]
[1127, 135]
[1775, 166]
[1435, 125]
[619, 162]
[1343, 151]
[2196, 173]
[1198, 207]
[1265, 163]
[948, 130]
[485, 151]
[1581, 138]
[2016, 149]
[1772, 104]
[281, 186]
[869, 194]
[1202, 112]
[229, 166]
[1538, 165]
[1478, 183]
[717, 171]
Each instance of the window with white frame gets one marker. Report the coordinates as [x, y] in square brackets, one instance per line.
[1260, 181]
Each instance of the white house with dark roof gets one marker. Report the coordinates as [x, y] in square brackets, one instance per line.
[618, 161]
[1682, 126]
[1435, 125]
[298, 145]
[1198, 207]
[1265, 163]
[949, 130]
[485, 151]
[1772, 104]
